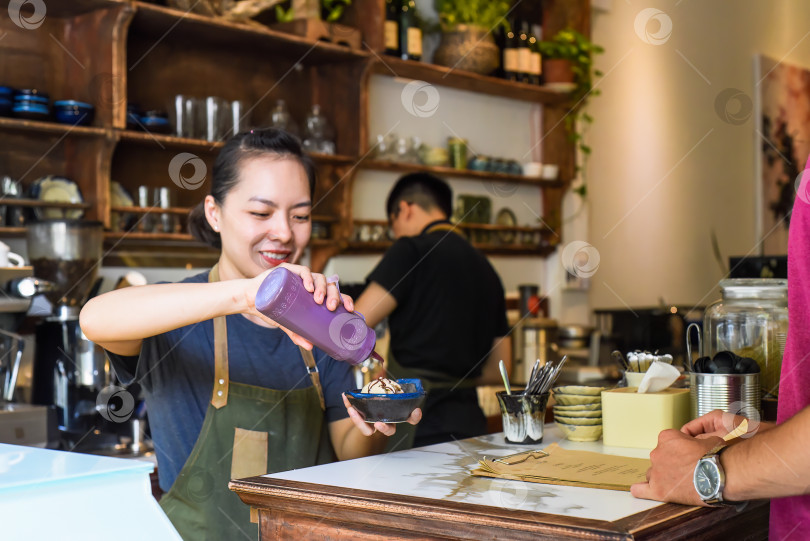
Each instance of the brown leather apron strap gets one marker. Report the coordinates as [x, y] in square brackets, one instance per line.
[219, 397]
[312, 368]
[444, 226]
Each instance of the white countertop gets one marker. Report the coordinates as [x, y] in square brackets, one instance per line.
[442, 472]
[31, 466]
[47, 494]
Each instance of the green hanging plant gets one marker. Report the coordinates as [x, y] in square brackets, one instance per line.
[489, 14]
[573, 46]
[331, 10]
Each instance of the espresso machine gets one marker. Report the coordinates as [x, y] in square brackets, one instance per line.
[70, 373]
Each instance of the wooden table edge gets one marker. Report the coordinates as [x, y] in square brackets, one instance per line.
[290, 495]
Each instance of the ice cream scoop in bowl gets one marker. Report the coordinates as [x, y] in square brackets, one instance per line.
[385, 403]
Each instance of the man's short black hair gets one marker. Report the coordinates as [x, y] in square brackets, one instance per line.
[422, 189]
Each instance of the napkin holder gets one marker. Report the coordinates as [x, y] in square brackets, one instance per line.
[631, 419]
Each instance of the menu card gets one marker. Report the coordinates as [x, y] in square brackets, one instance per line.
[557, 466]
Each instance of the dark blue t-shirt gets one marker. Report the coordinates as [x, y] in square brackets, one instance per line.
[176, 371]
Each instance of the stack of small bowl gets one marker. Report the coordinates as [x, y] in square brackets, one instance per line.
[578, 411]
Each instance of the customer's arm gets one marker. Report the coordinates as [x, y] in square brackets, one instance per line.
[768, 465]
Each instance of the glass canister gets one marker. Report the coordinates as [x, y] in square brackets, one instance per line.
[750, 320]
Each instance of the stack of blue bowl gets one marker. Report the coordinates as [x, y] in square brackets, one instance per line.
[73, 112]
[151, 121]
[6, 96]
[31, 104]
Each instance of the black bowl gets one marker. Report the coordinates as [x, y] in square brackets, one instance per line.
[389, 408]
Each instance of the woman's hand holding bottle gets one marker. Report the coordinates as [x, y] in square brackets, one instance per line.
[322, 291]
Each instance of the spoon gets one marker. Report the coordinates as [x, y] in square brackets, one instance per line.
[505, 377]
[618, 358]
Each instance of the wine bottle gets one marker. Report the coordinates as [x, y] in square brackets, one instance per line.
[510, 58]
[410, 35]
[536, 61]
[524, 53]
[392, 8]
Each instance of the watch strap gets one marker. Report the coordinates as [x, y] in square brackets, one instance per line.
[718, 501]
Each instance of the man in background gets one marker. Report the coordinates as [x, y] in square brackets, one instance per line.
[445, 306]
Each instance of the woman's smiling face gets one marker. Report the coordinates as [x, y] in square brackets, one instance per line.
[265, 218]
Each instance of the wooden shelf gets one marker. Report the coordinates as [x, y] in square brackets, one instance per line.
[334, 159]
[489, 249]
[355, 247]
[10, 273]
[78, 7]
[39, 126]
[38, 203]
[508, 250]
[139, 235]
[201, 145]
[190, 27]
[139, 52]
[465, 80]
[483, 227]
[325, 219]
[321, 242]
[400, 167]
[169, 141]
[182, 211]
[505, 228]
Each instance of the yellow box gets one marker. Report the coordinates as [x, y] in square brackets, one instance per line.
[630, 419]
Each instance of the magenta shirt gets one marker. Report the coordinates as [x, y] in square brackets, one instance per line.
[790, 517]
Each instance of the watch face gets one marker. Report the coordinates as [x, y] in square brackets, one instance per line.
[707, 479]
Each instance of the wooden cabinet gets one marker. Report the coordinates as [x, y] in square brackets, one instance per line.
[115, 53]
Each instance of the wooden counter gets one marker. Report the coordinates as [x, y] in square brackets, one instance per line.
[427, 493]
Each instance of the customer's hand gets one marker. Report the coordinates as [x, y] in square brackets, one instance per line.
[718, 423]
[386, 428]
[670, 478]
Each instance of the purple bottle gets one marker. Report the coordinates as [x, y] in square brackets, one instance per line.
[343, 335]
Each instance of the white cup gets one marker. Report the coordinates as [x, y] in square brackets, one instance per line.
[532, 169]
[634, 378]
[550, 171]
[9, 258]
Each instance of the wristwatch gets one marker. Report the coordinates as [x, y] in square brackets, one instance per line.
[710, 479]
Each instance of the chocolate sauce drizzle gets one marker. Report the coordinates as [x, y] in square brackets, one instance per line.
[383, 384]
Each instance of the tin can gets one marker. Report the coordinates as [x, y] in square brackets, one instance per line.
[457, 151]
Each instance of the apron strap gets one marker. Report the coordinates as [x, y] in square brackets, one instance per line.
[312, 368]
[443, 225]
[219, 398]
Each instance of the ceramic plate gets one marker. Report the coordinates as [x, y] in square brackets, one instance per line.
[579, 389]
[578, 421]
[582, 407]
[585, 414]
[120, 197]
[507, 218]
[57, 190]
[576, 399]
[581, 433]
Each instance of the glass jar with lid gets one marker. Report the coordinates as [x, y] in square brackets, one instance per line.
[750, 320]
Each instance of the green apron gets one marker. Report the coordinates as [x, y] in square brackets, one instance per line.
[247, 431]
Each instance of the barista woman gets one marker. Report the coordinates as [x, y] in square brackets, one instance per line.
[229, 394]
